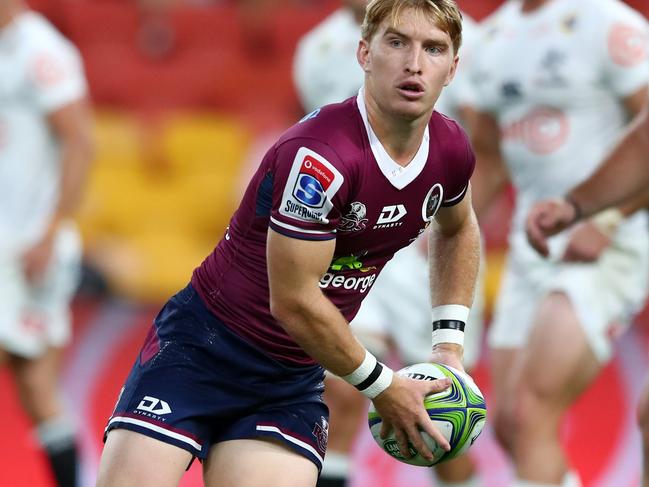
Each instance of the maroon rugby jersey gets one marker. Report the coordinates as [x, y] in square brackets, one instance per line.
[329, 177]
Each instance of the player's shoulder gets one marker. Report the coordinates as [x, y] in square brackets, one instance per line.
[329, 30]
[448, 136]
[335, 125]
[493, 26]
[503, 13]
[444, 126]
[602, 12]
[601, 6]
[38, 34]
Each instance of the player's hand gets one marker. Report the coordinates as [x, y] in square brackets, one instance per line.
[547, 218]
[586, 244]
[401, 407]
[36, 259]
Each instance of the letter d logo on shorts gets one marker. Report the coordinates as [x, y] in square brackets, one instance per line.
[154, 405]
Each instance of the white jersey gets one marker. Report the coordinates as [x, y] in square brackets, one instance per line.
[560, 104]
[325, 68]
[40, 72]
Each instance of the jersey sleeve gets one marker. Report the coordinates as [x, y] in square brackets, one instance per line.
[622, 36]
[55, 74]
[309, 190]
[459, 170]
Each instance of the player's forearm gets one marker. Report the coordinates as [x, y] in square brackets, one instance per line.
[488, 181]
[490, 175]
[76, 158]
[73, 126]
[623, 178]
[454, 262]
[320, 330]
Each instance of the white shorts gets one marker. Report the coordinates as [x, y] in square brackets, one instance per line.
[605, 294]
[398, 310]
[33, 318]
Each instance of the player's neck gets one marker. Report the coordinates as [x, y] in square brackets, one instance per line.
[401, 140]
[9, 11]
[532, 5]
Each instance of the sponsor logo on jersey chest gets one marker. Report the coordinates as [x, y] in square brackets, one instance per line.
[391, 216]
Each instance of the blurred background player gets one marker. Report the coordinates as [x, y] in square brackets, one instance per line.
[45, 149]
[557, 80]
[396, 315]
[325, 68]
[620, 187]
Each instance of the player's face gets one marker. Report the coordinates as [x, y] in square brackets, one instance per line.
[406, 66]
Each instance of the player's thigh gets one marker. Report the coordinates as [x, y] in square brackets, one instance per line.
[257, 463]
[130, 459]
[505, 370]
[559, 362]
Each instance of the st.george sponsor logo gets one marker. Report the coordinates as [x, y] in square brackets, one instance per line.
[361, 283]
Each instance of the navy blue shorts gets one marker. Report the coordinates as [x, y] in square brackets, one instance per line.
[195, 383]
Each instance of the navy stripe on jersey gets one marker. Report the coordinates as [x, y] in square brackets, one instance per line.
[265, 196]
[299, 233]
[455, 200]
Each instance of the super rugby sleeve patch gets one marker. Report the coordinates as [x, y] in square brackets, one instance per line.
[307, 196]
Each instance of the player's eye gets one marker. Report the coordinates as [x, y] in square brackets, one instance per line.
[395, 42]
[434, 50]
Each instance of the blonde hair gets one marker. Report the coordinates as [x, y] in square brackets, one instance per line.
[444, 13]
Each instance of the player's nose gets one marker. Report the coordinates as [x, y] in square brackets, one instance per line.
[413, 61]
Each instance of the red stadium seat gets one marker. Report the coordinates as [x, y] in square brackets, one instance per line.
[90, 22]
[200, 27]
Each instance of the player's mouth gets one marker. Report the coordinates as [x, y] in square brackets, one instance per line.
[412, 90]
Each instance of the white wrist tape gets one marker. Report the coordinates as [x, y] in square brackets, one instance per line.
[371, 377]
[608, 221]
[449, 321]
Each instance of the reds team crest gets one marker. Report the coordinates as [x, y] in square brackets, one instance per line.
[432, 202]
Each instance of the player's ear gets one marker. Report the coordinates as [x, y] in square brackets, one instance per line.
[363, 55]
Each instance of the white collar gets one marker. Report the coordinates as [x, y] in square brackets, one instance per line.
[399, 176]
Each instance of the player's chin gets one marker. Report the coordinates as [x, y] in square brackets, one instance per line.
[412, 111]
